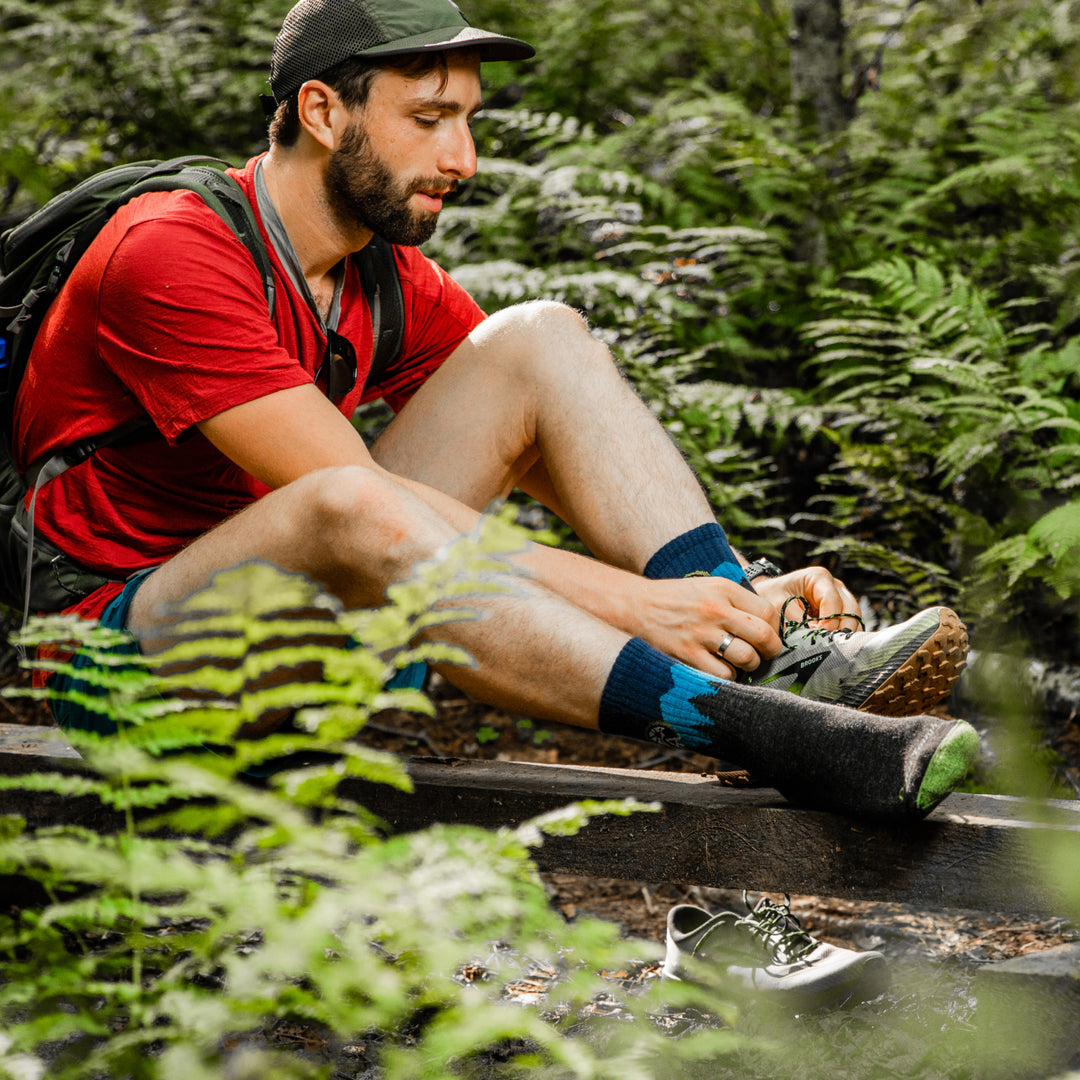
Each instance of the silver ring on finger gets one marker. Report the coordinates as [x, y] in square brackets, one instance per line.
[725, 644]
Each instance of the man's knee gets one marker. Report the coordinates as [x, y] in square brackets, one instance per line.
[353, 529]
[544, 326]
[542, 342]
[544, 321]
[349, 503]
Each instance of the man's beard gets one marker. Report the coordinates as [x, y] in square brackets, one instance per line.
[361, 190]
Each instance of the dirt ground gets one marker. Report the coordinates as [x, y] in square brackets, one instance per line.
[463, 728]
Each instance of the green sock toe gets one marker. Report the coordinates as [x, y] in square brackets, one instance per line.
[952, 761]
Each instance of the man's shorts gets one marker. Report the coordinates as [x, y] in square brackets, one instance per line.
[70, 714]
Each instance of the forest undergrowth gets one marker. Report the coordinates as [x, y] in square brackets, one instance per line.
[867, 348]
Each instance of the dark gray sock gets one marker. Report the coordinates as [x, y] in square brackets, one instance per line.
[835, 758]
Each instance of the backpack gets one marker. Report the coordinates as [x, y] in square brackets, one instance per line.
[36, 259]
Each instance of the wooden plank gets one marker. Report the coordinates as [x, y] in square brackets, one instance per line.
[973, 851]
[25, 749]
[21, 742]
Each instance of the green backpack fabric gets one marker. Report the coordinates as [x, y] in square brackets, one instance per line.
[36, 259]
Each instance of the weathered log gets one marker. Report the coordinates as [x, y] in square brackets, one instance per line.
[975, 851]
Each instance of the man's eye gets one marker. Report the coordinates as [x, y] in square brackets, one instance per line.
[426, 121]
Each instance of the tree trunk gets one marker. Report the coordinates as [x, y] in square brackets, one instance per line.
[817, 45]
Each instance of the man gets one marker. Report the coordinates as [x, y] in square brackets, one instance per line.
[166, 316]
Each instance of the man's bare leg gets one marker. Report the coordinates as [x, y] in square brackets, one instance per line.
[531, 398]
[355, 533]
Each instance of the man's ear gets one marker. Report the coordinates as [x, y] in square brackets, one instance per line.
[322, 113]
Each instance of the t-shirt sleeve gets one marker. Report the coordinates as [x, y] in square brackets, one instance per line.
[183, 320]
[439, 314]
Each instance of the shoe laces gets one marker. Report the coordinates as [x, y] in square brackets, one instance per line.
[812, 633]
[777, 928]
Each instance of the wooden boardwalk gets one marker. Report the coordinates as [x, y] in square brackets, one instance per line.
[974, 851]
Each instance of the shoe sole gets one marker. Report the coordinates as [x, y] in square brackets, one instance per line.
[861, 982]
[925, 678]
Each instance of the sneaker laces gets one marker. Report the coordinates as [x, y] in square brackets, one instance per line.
[778, 929]
[790, 626]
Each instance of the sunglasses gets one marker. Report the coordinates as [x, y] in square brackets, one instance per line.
[339, 366]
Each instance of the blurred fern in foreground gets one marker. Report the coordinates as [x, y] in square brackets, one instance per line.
[244, 886]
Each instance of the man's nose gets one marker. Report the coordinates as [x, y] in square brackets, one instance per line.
[458, 152]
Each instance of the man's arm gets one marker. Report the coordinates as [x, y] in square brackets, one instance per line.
[826, 596]
[282, 436]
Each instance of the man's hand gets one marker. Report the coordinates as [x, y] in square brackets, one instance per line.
[691, 620]
[827, 597]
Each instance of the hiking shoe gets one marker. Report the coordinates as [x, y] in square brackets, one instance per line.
[768, 952]
[900, 671]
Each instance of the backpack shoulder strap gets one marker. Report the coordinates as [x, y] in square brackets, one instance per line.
[204, 176]
[226, 198]
[382, 287]
[37, 256]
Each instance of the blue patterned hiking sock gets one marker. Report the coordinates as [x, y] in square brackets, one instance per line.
[818, 754]
[649, 696]
[704, 550]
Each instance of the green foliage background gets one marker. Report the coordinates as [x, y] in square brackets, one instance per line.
[801, 316]
[866, 348]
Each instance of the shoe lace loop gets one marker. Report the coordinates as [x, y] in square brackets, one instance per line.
[789, 626]
[777, 928]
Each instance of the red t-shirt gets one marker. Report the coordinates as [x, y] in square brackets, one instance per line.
[165, 316]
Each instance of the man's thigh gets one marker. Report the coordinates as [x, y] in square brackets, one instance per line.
[470, 429]
[335, 526]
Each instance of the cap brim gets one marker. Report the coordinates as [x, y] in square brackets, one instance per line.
[492, 46]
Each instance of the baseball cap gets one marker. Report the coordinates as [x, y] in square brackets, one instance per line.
[317, 34]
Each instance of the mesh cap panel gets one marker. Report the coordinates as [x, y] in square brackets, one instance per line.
[316, 35]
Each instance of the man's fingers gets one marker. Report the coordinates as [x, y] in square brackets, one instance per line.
[741, 639]
[831, 603]
[840, 621]
[729, 653]
[711, 664]
[710, 623]
[738, 652]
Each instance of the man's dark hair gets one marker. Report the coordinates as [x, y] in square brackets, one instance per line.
[351, 80]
